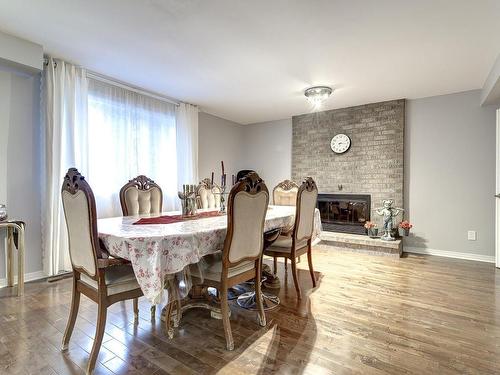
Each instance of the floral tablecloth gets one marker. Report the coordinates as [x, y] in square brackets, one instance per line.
[158, 251]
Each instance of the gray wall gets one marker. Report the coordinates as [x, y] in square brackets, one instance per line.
[275, 137]
[22, 179]
[449, 170]
[450, 173]
[219, 139]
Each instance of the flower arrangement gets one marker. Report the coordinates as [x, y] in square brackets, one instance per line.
[370, 225]
[371, 229]
[405, 224]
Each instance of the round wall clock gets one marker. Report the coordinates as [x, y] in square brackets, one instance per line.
[340, 143]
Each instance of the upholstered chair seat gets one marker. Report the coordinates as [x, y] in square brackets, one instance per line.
[118, 279]
[211, 268]
[284, 244]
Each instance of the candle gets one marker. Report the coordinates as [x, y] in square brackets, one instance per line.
[233, 179]
[212, 178]
[222, 164]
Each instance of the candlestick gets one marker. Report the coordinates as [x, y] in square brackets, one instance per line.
[212, 178]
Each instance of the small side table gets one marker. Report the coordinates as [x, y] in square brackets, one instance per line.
[15, 237]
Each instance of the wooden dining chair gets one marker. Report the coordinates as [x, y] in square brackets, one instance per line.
[208, 194]
[299, 242]
[285, 193]
[240, 260]
[103, 279]
[141, 195]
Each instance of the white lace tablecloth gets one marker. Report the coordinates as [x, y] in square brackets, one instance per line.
[158, 251]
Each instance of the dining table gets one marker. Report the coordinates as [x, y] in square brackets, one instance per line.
[162, 246]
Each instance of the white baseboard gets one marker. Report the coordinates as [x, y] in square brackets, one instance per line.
[32, 276]
[450, 254]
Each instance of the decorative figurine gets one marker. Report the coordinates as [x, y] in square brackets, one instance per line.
[389, 213]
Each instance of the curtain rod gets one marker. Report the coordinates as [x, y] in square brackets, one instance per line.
[123, 85]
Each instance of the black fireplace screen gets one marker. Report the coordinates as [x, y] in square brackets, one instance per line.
[344, 212]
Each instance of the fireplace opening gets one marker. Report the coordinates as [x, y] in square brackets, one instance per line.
[346, 213]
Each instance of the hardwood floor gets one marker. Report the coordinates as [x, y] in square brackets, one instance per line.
[368, 315]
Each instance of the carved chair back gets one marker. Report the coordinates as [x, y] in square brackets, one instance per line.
[243, 173]
[247, 207]
[205, 194]
[141, 195]
[81, 221]
[307, 196]
[285, 193]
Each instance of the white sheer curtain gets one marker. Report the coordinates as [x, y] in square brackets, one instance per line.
[130, 134]
[111, 135]
[64, 123]
[187, 144]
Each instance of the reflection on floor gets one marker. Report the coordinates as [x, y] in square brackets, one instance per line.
[369, 314]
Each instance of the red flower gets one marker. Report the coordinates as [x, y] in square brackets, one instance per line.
[405, 224]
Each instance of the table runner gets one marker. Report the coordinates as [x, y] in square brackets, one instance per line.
[170, 219]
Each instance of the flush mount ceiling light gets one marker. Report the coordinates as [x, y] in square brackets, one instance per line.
[318, 94]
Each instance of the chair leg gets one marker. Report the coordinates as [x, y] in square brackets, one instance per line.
[99, 334]
[275, 265]
[295, 277]
[136, 308]
[153, 312]
[258, 296]
[75, 304]
[311, 269]
[225, 318]
[286, 265]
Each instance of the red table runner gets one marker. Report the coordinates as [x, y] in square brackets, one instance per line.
[176, 218]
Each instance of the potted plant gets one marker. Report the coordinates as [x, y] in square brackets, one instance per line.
[371, 228]
[404, 228]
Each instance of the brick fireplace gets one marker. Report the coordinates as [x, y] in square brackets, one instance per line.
[372, 166]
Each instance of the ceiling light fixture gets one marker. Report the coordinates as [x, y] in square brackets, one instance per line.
[318, 94]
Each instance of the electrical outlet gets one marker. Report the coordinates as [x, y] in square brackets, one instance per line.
[472, 235]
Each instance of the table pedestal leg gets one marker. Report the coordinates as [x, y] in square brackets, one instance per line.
[270, 301]
[199, 297]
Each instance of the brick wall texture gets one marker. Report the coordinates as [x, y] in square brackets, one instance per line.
[374, 163]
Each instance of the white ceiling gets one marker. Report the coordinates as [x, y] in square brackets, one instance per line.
[249, 61]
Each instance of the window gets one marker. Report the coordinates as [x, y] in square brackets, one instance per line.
[129, 134]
